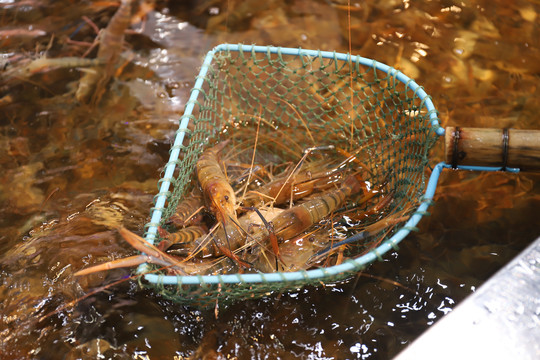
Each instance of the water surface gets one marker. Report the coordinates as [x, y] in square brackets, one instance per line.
[73, 172]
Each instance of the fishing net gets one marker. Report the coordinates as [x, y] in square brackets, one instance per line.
[292, 100]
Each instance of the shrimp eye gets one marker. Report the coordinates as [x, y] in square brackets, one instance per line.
[226, 197]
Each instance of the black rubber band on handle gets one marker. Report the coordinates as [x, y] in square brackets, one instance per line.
[455, 158]
[505, 141]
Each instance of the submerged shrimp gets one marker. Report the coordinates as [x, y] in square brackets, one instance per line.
[188, 211]
[151, 254]
[45, 64]
[183, 236]
[93, 83]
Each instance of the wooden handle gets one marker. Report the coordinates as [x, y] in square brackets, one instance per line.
[506, 148]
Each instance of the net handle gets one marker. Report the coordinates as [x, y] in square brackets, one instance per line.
[504, 148]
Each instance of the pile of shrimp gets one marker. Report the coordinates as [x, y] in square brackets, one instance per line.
[277, 217]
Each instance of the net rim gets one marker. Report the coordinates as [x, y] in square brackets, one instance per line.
[349, 266]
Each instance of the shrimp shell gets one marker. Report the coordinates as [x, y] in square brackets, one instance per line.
[218, 193]
[44, 64]
[299, 186]
[93, 83]
[293, 221]
[151, 255]
[186, 212]
[183, 236]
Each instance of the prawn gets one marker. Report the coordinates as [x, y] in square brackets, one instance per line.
[188, 211]
[43, 63]
[183, 236]
[217, 192]
[151, 254]
[216, 243]
[212, 244]
[221, 200]
[291, 222]
[297, 187]
[299, 218]
[308, 250]
[93, 83]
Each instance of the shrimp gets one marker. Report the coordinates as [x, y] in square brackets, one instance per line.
[221, 199]
[215, 243]
[151, 254]
[219, 242]
[92, 84]
[218, 193]
[42, 64]
[308, 250]
[188, 211]
[285, 188]
[299, 218]
[183, 236]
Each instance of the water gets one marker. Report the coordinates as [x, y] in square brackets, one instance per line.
[71, 172]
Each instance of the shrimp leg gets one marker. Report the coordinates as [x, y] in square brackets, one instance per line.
[150, 254]
[143, 246]
[116, 264]
[231, 255]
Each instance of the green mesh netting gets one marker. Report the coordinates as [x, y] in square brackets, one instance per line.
[293, 100]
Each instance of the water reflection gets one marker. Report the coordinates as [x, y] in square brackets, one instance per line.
[72, 173]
